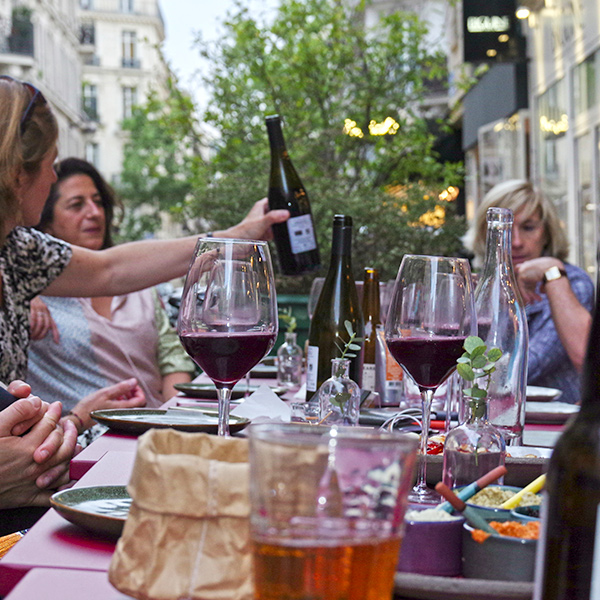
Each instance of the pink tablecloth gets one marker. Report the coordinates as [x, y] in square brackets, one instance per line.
[65, 584]
[55, 543]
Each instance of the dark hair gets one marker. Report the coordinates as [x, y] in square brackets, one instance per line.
[76, 166]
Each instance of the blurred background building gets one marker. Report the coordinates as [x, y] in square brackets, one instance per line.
[93, 60]
[529, 104]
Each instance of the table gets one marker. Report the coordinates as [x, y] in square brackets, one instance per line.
[57, 556]
[65, 584]
[57, 544]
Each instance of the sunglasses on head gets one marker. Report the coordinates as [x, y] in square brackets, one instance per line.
[36, 96]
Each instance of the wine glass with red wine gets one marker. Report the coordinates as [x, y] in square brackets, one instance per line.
[431, 313]
[228, 315]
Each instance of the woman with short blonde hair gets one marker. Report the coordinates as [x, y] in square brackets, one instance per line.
[518, 194]
[559, 296]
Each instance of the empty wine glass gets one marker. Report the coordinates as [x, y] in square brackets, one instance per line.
[432, 312]
[228, 316]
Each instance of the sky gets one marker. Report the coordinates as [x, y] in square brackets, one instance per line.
[183, 20]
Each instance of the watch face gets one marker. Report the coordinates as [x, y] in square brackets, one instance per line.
[553, 273]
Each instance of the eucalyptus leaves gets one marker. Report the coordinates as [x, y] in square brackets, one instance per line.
[347, 351]
[351, 344]
[288, 318]
[476, 363]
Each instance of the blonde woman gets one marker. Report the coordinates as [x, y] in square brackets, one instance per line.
[559, 296]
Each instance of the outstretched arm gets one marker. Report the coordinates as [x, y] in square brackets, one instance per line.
[137, 265]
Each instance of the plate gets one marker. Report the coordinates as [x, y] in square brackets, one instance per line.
[521, 470]
[100, 509]
[135, 421]
[209, 391]
[542, 394]
[549, 412]
[429, 587]
[262, 371]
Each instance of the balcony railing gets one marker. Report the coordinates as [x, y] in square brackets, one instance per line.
[130, 63]
[91, 60]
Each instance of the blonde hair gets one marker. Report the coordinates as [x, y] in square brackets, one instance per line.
[518, 195]
[21, 151]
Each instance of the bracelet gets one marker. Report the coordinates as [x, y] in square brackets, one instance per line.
[209, 234]
[79, 420]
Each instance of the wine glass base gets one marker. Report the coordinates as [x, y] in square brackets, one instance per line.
[424, 495]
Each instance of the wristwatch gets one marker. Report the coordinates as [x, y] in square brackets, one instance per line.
[554, 273]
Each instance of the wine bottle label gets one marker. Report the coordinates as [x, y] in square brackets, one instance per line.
[302, 234]
[368, 377]
[312, 368]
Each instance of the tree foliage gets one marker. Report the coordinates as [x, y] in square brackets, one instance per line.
[318, 66]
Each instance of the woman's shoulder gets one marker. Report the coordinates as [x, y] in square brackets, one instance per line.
[26, 239]
[575, 272]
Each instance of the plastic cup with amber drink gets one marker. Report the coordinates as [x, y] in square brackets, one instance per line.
[327, 509]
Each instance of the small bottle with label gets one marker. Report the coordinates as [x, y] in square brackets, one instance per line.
[371, 317]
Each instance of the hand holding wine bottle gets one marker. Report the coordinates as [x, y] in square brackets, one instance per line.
[295, 239]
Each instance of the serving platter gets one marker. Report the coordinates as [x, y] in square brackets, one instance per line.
[549, 412]
[208, 391]
[521, 470]
[536, 393]
[99, 509]
[135, 421]
[429, 587]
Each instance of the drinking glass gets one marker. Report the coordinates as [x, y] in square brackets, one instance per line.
[326, 510]
[432, 312]
[228, 316]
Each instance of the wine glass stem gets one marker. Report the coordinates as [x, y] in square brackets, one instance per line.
[426, 400]
[224, 394]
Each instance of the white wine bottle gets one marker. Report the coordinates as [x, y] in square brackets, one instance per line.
[568, 559]
[295, 239]
[338, 303]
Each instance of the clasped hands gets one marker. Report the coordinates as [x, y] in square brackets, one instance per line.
[531, 273]
[35, 449]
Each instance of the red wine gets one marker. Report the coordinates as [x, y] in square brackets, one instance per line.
[295, 239]
[227, 357]
[427, 360]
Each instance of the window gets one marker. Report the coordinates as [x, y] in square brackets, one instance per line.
[92, 154]
[127, 6]
[129, 44]
[90, 101]
[86, 4]
[129, 101]
[87, 33]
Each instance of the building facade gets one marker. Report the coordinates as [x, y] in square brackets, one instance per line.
[538, 117]
[121, 62]
[93, 60]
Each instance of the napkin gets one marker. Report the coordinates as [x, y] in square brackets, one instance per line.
[263, 405]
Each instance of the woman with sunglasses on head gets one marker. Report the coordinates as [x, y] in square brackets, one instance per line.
[102, 340]
[32, 262]
[559, 296]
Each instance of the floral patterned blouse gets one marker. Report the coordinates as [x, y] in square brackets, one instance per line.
[29, 262]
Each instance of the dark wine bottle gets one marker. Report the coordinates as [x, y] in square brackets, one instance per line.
[371, 315]
[295, 239]
[568, 559]
[337, 304]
